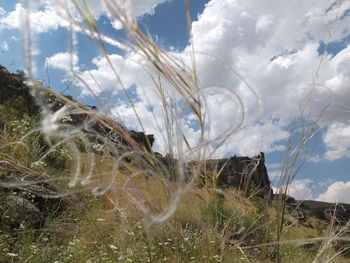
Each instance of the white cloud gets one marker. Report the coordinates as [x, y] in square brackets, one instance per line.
[127, 71]
[328, 181]
[2, 11]
[49, 15]
[45, 16]
[300, 189]
[264, 23]
[63, 61]
[136, 8]
[11, 20]
[337, 141]
[292, 40]
[4, 46]
[336, 192]
[275, 49]
[42, 20]
[314, 159]
[154, 122]
[262, 138]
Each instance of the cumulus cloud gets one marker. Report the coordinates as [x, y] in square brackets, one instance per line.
[261, 138]
[125, 72]
[49, 15]
[42, 20]
[337, 140]
[11, 21]
[336, 192]
[278, 59]
[154, 121]
[256, 61]
[300, 189]
[136, 8]
[63, 61]
[276, 50]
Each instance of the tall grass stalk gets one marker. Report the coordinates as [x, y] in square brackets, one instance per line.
[149, 203]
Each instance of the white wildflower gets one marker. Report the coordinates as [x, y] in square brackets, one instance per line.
[113, 247]
[37, 164]
[66, 118]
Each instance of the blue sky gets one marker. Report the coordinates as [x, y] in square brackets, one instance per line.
[276, 48]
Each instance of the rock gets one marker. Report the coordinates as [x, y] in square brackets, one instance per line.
[107, 130]
[11, 86]
[282, 197]
[326, 211]
[28, 195]
[145, 140]
[242, 172]
[91, 122]
[338, 213]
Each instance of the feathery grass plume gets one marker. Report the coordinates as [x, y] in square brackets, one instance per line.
[175, 84]
[95, 161]
[296, 156]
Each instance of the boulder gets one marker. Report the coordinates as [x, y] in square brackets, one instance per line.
[29, 199]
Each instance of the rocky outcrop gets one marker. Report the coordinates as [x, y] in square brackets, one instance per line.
[26, 197]
[107, 130]
[12, 87]
[338, 213]
[302, 210]
[246, 174]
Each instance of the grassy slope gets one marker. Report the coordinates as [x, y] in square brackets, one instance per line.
[210, 225]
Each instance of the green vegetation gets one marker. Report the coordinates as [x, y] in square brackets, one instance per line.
[211, 225]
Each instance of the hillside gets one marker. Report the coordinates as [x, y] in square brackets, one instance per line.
[81, 196]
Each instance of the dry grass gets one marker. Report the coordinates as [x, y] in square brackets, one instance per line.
[133, 212]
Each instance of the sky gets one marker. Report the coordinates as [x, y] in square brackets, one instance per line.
[282, 65]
